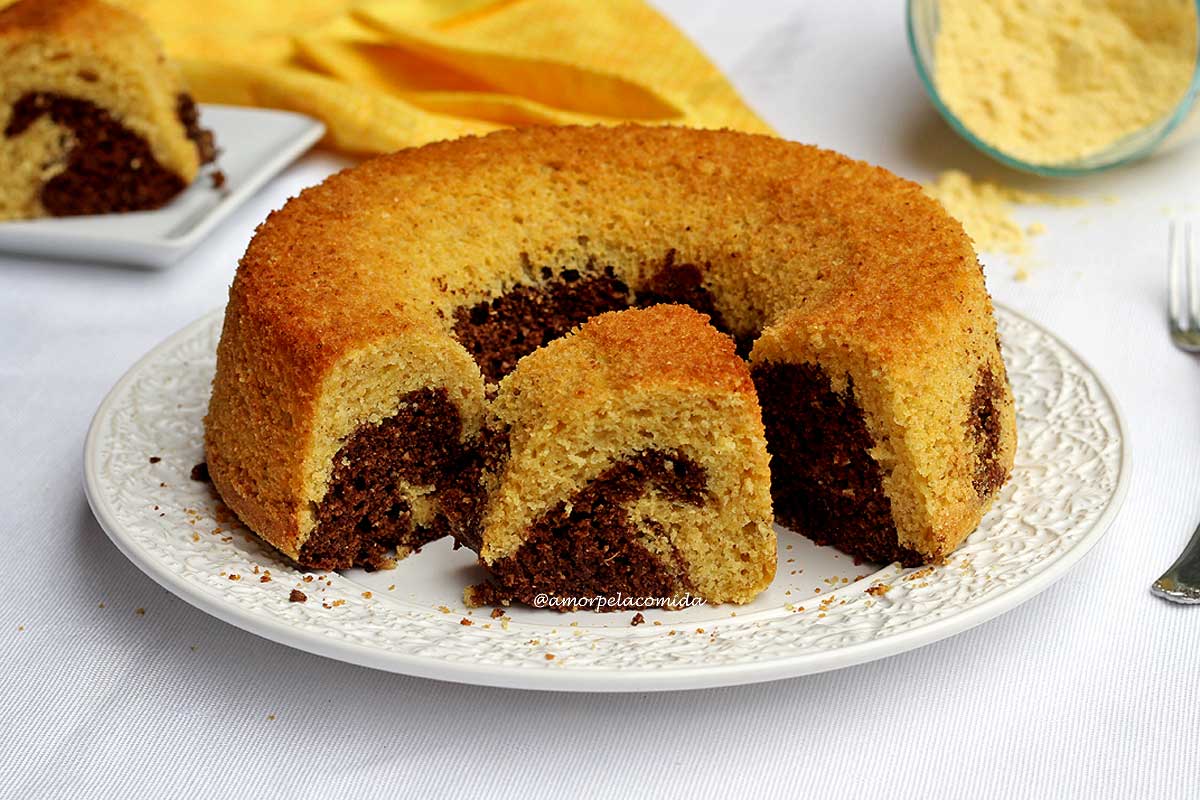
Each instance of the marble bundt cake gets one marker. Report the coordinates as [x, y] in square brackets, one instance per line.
[370, 313]
[628, 460]
[93, 118]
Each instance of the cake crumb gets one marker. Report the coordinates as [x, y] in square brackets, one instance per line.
[484, 594]
[638, 619]
[497, 613]
[297, 596]
[141, 612]
[367, 595]
[20, 627]
[879, 589]
[337, 603]
[155, 459]
[392, 587]
[200, 474]
[270, 717]
[235, 577]
[549, 656]
[465, 621]
[264, 578]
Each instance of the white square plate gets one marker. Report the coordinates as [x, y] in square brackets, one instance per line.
[255, 145]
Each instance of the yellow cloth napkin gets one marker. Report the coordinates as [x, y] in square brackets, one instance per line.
[386, 74]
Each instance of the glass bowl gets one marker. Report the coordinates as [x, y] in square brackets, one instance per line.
[1179, 126]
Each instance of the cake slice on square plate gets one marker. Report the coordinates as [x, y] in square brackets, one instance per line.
[93, 117]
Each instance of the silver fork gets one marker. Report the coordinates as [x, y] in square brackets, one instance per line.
[1181, 583]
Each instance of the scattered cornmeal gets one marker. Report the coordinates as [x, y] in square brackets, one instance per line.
[1055, 82]
[985, 210]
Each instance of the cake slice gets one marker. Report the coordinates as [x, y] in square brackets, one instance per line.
[629, 461]
[93, 118]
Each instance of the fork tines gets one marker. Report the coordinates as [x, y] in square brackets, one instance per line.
[1183, 288]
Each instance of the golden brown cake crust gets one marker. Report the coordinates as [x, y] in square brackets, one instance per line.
[91, 18]
[812, 256]
[901, 257]
[678, 347]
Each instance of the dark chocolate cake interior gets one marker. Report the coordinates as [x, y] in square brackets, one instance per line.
[825, 484]
[109, 167]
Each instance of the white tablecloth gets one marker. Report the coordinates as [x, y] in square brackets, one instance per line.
[1091, 689]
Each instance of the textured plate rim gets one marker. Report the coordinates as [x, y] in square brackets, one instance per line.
[589, 679]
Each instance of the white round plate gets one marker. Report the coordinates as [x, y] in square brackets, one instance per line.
[822, 612]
